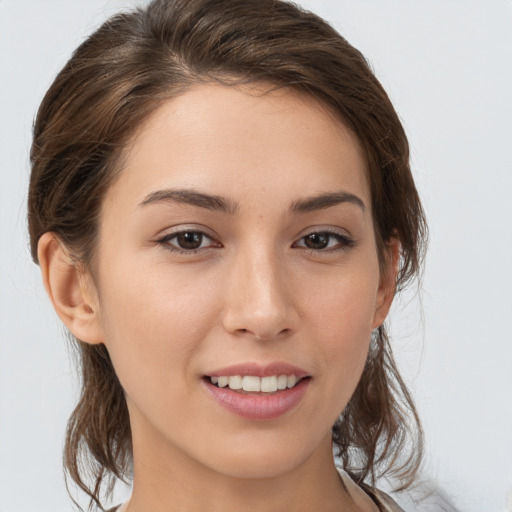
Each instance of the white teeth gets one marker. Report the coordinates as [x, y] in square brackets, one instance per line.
[250, 383]
[223, 382]
[269, 384]
[254, 384]
[282, 382]
[235, 382]
[292, 380]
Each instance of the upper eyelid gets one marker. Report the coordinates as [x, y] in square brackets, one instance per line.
[170, 236]
[184, 228]
[334, 234]
[329, 230]
[345, 240]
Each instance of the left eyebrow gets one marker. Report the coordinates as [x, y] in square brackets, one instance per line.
[192, 197]
[323, 201]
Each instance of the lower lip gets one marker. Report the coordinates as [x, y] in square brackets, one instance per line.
[263, 406]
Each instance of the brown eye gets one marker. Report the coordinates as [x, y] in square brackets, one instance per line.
[317, 240]
[189, 240]
[325, 241]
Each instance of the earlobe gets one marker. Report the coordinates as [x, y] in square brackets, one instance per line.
[387, 285]
[70, 290]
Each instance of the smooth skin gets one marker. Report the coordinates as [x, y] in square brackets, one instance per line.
[182, 284]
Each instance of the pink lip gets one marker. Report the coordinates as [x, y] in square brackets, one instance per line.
[259, 406]
[258, 370]
[263, 406]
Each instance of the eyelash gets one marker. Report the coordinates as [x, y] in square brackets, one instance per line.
[166, 241]
[344, 241]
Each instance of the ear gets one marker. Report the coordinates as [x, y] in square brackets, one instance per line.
[387, 285]
[71, 290]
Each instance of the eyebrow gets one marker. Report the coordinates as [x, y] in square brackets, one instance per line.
[323, 201]
[192, 197]
[221, 204]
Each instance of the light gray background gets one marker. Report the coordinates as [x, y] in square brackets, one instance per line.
[447, 65]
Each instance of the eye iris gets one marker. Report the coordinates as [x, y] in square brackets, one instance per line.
[317, 240]
[190, 240]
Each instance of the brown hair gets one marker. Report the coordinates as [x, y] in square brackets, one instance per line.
[115, 80]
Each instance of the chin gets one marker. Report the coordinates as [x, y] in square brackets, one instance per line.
[258, 461]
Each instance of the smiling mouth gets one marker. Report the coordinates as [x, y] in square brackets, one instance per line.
[254, 384]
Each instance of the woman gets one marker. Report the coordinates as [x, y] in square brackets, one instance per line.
[222, 208]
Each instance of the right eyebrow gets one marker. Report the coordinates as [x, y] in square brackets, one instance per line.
[192, 197]
[323, 201]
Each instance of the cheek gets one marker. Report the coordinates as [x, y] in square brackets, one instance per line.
[343, 304]
[341, 319]
[154, 322]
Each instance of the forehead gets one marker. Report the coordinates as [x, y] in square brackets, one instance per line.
[236, 141]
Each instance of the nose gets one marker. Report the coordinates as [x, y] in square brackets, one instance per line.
[258, 298]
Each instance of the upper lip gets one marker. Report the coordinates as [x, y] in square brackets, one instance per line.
[260, 370]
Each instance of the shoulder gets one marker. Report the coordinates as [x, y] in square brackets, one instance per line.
[384, 502]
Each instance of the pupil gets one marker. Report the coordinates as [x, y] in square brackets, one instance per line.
[317, 241]
[190, 240]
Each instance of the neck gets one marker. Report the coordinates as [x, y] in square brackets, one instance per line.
[169, 479]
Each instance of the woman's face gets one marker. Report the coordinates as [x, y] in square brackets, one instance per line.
[238, 242]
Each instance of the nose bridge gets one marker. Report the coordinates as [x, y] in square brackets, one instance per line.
[257, 295]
